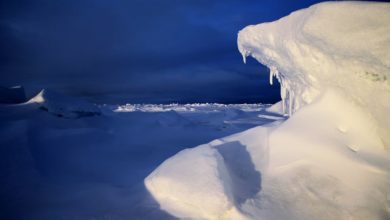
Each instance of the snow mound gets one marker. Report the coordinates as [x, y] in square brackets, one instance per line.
[64, 106]
[210, 181]
[276, 108]
[343, 45]
[309, 167]
[329, 159]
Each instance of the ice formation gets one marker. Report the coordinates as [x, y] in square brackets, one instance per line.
[344, 46]
[330, 159]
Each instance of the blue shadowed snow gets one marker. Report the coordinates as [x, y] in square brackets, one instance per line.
[93, 167]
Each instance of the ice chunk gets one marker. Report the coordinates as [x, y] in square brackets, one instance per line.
[341, 45]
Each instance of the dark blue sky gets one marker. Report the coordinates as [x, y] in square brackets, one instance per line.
[139, 51]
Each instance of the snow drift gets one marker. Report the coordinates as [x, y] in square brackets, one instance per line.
[329, 159]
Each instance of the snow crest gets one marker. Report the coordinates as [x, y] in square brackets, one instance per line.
[342, 45]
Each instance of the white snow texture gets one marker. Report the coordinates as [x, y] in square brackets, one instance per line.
[338, 45]
[330, 159]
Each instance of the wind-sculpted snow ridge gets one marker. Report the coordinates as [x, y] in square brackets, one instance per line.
[330, 159]
[339, 45]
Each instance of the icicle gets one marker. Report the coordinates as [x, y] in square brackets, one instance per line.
[290, 103]
[244, 57]
[282, 90]
[277, 75]
[283, 96]
[272, 72]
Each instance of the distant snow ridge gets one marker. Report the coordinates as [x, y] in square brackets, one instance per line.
[64, 106]
[338, 45]
[204, 107]
[330, 158]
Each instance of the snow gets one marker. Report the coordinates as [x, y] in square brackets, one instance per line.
[328, 167]
[209, 181]
[65, 158]
[194, 107]
[329, 159]
[342, 45]
[64, 106]
[276, 108]
[93, 167]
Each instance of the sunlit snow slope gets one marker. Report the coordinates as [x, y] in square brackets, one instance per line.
[330, 159]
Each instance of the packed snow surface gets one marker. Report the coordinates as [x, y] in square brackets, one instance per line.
[330, 159]
[60, 160]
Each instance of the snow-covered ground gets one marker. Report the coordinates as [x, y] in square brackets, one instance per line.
[330, 159]
[64, 158]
